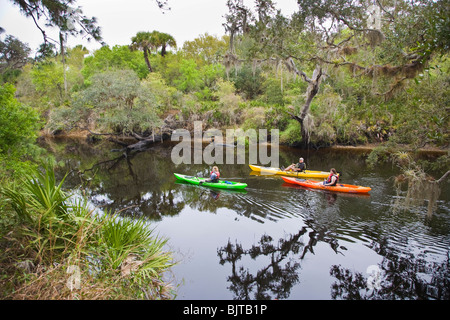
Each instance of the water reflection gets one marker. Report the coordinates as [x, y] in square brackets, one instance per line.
[280, 270]
[328, 194]
[417, 193]
[400, 278]
[336, 230]
[272, 281]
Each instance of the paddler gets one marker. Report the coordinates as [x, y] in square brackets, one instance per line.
[214, 176]
[332, 179]
[297, 167]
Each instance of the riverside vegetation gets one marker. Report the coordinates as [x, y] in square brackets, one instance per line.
[51, 241]
[346, 83]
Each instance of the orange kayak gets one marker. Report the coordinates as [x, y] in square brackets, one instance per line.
[348, 188]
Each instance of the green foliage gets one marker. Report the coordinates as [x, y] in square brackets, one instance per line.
[206, 49]
[419, 112]
[66, 118]
[190, 77]
[227, 96]
[229, 103]
[115, 58]
[262, 117]
[13, 56]
[111, 90]
[116, 101]
[384, 152]
[48, 81]
[211, 73]
[392, 86]
[248, 81]
[169, 67]
[123, 256]
[41, 85]
[41, 205]
[125, 237]
[292, 134]
[163, 40]
[18, 123]
[273, 93]
[165, 95]
[351, 131]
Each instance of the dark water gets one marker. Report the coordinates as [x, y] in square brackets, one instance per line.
[275, 240]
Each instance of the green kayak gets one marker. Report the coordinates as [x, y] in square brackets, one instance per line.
[221, 184]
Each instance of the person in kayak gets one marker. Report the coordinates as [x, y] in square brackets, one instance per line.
[297, 167]
[332, 179]
[214, 177]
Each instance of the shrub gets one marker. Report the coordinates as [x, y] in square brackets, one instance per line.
[249, 82]
[115, 101]
[292, 134]
[19, 124]
[57, 233]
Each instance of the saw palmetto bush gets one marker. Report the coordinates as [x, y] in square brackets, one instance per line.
[130, 249]
[42, 209]
[117, 257]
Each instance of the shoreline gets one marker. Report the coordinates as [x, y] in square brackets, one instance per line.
[369, 147]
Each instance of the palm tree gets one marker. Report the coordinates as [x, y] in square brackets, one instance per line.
[163, 40]
[144, 41]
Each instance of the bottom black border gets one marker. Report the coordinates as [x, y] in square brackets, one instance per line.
[217, 309]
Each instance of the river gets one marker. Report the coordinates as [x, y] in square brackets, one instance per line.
[275, 240]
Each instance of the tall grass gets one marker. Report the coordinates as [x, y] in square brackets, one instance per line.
[55, 231]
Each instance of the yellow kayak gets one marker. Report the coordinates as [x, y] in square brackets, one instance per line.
[303, 174]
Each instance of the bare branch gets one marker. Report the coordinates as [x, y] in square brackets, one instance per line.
[442, 179]
[392, 18]
[290, 64]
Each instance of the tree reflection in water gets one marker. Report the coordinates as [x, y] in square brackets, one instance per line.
[280, 275]
[401, 278]
[275, 280]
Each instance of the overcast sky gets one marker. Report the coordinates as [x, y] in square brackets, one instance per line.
[122, 19]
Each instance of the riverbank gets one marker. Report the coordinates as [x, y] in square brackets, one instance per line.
[58, 257]
[367, 147]
[370, 147]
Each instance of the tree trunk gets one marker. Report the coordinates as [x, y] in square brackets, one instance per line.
[444, 177]
[313, 89]
[63, 59]
[147, 61]
[142, 144]
[232, 33]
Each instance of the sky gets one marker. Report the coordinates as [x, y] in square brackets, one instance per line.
[122, 19]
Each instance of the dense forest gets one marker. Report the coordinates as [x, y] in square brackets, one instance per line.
[335, 72]
[326, 75]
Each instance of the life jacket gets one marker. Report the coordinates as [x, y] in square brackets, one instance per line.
[217, 173]
[301, 166]
[329, 179]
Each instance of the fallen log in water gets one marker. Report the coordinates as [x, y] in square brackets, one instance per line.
[142, 144]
